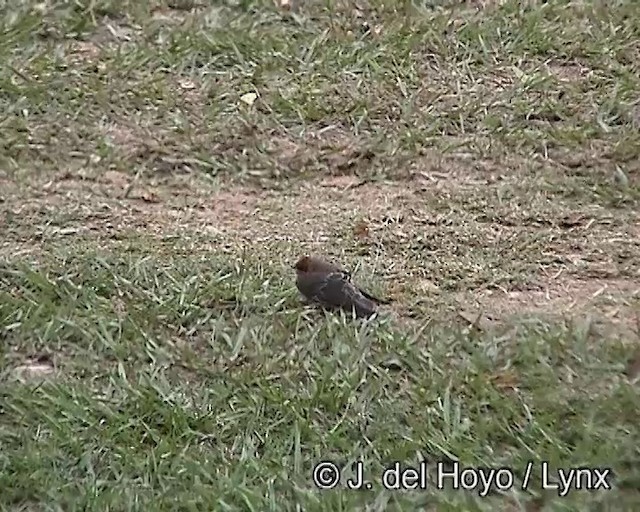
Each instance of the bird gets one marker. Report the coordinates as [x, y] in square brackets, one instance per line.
[329, 285]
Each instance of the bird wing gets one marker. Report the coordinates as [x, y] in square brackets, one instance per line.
[337, 290]
[324, 266]
[347, 276]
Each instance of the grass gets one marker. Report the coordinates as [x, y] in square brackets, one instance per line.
[215, 392]
[155, 354]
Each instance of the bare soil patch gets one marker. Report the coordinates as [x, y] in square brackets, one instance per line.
[417, 237]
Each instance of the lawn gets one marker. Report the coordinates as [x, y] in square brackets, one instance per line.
[164, 163]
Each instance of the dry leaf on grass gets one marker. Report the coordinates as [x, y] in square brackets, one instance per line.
[150, 197]
[33, 369]
[249, 98]
[361, 229]
[505, 380]
[187, 84]
[477, 320]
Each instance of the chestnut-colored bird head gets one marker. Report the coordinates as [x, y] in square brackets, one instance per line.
[303, 264]
[311, 264]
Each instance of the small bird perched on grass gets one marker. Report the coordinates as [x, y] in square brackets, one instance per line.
[331, 287]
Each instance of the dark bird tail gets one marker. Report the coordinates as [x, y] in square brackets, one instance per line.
[373, 298]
